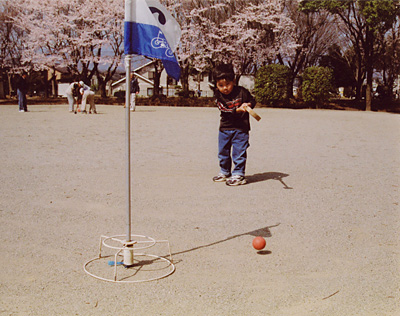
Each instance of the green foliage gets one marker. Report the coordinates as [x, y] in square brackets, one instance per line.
[272, 84]
[317, 84]
[375, 12]
[333, 6]
[378, 11]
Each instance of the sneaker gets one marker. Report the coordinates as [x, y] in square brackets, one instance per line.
[220, 178]
[236, 180]
[21, 111]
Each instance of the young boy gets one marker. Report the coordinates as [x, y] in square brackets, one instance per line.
[234, 126]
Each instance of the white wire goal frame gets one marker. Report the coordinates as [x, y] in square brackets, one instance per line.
[144, 268]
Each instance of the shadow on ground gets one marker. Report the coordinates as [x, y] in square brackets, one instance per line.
[258, 177]
[263, 232]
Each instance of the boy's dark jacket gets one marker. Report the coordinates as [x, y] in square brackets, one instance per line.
[135, 86]
[227, 104]
[22, 85]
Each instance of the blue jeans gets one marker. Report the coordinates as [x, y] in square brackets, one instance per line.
[22, 100]
[238, 141]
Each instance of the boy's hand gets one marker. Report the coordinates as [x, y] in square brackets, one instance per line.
[242, 108]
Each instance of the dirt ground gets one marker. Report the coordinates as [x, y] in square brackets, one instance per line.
[323, 190]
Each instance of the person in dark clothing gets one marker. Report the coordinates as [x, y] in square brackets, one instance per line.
[77, 96]
[22, 90]
[233, 137]
[135, 89]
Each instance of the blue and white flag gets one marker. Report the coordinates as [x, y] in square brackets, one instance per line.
[150, 30]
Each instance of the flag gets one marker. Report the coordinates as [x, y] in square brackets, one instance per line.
[150, 30]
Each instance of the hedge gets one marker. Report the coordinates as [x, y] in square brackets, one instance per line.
[272, 84]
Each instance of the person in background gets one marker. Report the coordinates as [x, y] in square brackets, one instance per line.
[78, 98]
[135, 89]
[85, 92]
[71, 94]
[89, 97]
[22, 90]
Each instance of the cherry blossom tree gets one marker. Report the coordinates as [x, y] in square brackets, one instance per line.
[246, 33]
[187, 49]
[10, 37]
[110, 21]
[73, 34]
[11, 47]
[255, 34]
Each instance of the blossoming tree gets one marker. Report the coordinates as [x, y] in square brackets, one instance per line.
[72, 34]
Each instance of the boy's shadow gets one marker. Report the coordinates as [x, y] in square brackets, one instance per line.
[258, 177]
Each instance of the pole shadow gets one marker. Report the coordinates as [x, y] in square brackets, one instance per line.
[143, 111]
[258, 177]
[263, 232]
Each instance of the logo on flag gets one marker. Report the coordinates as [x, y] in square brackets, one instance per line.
[150, 30]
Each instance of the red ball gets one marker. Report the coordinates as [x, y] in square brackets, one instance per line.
[259, 243]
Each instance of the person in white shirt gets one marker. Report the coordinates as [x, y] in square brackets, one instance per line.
[87, 95]
[71, 93]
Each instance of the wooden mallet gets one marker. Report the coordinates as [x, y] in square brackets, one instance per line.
[253, 113]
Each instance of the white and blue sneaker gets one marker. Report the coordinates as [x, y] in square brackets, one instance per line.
[220, 178]
[236, 180]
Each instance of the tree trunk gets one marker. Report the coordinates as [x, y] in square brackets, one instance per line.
[158, 68]
[103, 90]
[359, 80]
[368, 91]
[2, 94]
[53, 85]
[185, 78]
[102, 86]
[290, 87]
[10, 87]
[369, 68]
[368, 98]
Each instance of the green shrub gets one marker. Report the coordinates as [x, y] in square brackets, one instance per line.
[272, 84]
[318, 85]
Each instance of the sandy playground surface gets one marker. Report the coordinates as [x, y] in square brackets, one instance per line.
[323, 190]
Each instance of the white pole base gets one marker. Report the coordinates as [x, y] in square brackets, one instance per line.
[128, 256]
[128, 262]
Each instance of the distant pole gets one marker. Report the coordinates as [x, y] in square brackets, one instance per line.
[128, 66]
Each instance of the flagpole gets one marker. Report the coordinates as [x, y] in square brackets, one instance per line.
[128, 254]
[140, 25]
